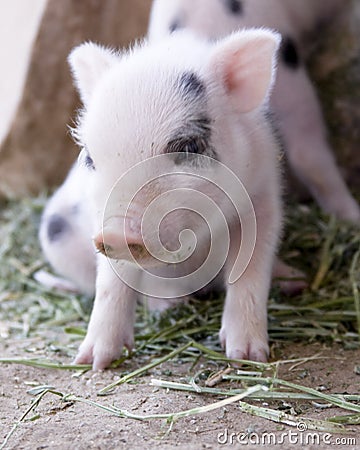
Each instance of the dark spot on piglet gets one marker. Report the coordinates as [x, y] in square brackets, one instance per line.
[234, 6]
[56, 226]
[190, 84]
[289, 53]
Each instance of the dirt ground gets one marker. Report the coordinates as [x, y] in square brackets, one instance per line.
[57, 425]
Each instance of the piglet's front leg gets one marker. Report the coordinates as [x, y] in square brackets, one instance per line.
[244, 323]
[111, 325]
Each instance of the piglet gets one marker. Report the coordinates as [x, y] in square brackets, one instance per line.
[181, 182]
[65, 235]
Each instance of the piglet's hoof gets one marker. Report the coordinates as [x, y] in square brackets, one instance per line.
[244, 348]
[102, 353]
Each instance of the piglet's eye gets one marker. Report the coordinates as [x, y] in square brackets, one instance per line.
[187, 149]
[85, 159]
[187, 145]
[89, 163]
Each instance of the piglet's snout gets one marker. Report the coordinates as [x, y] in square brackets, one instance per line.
[119, 238]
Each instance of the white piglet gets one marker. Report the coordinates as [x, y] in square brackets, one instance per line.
[65, 235]
[152, 119]
[294, 99]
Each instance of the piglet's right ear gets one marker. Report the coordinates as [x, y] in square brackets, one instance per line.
[245, 64]
[88, 63]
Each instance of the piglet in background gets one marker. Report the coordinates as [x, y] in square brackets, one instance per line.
[65, 235]
[177, 185]
[294, 100]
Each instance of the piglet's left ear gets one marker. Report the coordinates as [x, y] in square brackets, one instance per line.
[245, 63]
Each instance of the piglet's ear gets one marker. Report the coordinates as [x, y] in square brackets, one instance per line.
[245, 63]
[88, 63]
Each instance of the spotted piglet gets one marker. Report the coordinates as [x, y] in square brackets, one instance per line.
[174, 121]
[65, 235]
[294, 100]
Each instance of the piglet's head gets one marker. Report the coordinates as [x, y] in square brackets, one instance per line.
[167, 102]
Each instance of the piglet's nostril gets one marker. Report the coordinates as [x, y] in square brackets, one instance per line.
[136, 250]
[102, 247]
[56, 226]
